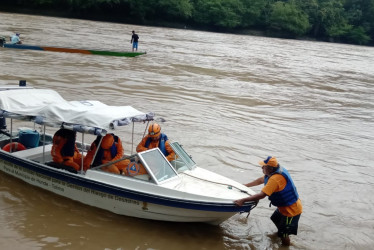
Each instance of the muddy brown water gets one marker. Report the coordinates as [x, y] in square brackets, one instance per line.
[231, 100]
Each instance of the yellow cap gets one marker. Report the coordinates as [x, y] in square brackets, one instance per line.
[270, 161]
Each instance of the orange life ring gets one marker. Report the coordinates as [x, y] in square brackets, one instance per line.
[15, 146]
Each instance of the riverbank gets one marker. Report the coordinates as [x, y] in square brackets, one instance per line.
[158, 23]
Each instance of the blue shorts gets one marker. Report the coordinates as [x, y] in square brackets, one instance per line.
[286, 225]
[135, 45]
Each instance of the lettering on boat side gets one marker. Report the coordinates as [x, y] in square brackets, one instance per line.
[27, 174]
[125, 200]
[57, 185]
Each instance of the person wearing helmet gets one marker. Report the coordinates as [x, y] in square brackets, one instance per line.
[156, 139]
[15, 39]
[110, 150]
[282, 193]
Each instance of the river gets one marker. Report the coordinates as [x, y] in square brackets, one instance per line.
[231, 100]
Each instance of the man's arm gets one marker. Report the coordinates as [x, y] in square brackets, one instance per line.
[254, 197]
[89, 157]
[170, 151]
[141, 146]
[120, 150]
[256, 182]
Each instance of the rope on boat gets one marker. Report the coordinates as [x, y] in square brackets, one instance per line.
[220, 183]
[254, 203]
[97, 150]
[111, 162]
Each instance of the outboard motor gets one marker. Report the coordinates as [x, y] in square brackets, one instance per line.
[2, 41]
[22, 83]
[2, 123]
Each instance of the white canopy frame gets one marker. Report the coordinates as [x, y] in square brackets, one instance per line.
[47, 108]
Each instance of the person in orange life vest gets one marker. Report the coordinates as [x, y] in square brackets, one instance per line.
[282, 193]
[110, 150]
[64, 150]
[156, 139]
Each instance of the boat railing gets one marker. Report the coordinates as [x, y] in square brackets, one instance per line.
[5, 139]
[112, 162]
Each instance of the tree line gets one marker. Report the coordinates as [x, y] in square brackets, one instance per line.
[346, 21]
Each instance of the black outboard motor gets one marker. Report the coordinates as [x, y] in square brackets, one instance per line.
[2, 123]
[2, 118]
[2, 41]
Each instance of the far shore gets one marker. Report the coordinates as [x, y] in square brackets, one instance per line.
[251, 32]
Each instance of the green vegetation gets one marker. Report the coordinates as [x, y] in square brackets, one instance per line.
[346, 21]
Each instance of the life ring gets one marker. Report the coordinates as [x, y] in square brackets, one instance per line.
[133, 168]
[15, 146]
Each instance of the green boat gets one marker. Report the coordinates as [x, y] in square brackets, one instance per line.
[70, 50]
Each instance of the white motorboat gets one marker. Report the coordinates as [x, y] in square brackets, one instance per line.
[178, 190]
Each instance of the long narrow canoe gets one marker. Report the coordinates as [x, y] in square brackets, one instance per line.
[72, 50]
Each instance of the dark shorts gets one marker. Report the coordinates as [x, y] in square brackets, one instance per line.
[286, 225]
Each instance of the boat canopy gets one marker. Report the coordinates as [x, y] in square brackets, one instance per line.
[47, 107]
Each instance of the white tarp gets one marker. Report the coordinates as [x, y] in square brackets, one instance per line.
[46, 106]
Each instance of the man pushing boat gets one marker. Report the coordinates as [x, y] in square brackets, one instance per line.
[282, 193]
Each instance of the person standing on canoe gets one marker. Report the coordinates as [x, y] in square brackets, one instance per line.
[156, 139]
[15, 39]
[134, 40]
[282, 193]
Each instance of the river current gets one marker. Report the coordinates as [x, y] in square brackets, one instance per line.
[231, 100]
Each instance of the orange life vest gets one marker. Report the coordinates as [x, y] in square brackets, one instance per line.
[64, 151]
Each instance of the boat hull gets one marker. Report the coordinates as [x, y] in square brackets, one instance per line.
[113, 198]
[73, 50]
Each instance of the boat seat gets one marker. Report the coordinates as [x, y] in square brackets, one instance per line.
[31, 152]
[61, 166]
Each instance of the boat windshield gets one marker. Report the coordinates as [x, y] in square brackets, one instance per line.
[157, 164]
[183, 161]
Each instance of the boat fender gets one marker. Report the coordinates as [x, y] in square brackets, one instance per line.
[133, 168]
[14, 146]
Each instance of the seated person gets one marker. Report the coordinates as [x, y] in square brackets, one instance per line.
[15, 39]
[156, 139]
[64, 150]
[110, 150]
